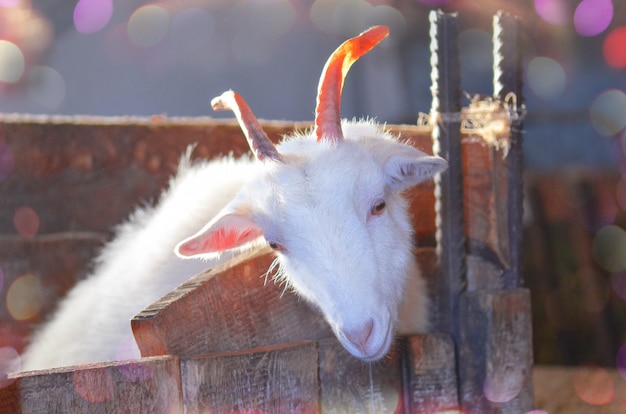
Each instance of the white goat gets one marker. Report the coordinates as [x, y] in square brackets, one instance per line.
[329, 203]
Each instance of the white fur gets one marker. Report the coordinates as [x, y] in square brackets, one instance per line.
[350, 264]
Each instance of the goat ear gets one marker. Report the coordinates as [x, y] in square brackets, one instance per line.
[407, 167]
[226, 232]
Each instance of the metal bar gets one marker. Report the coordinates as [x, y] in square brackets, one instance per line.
[507, 79]
[446, 107]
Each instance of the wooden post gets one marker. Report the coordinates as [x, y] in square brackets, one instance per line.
[495, 357]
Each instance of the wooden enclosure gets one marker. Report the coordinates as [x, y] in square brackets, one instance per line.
[227, 341]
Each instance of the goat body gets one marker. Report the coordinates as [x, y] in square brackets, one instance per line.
[330, 205]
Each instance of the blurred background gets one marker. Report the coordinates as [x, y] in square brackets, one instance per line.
[123, 58]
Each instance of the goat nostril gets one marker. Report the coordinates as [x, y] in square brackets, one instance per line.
[360, 337]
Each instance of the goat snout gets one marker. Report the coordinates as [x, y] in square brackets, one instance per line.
[359, 338]
[369, 342]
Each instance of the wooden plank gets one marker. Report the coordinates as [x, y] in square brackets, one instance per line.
[150, 385]
[227, 309]
[88, 174]
[279, 379]
[496, 350]
[34, 278]
[432, 379]
[349, 385]
[82, 173]
[486, 215]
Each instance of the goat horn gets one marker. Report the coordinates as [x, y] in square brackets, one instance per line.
[327, 114]
[260, 144]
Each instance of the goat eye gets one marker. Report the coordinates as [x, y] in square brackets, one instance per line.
[275, 246]
[379, 207]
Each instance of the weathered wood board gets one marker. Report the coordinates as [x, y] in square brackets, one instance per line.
[88, 174]
[151, 385]
[282, 379]
[230, 308]
[432, 378]
[191, 319]
[495, 333]
[349, 385]
[486, 214]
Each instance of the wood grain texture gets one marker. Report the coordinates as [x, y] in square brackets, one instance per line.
[432, 379]
[348, 385]
[496, 350]
[485, 187]
[88, 174]
[281, 379]
[151, 385]
[227, 309]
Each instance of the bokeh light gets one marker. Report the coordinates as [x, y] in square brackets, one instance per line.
[46, 86]
[270, 17]
[6, 161]
[608, 112]
[555, 12]
[192, 28]
[388, 16]
[148, 25]
[26, 221]
[597, 292]
[618, 281]
[259, 23]
[9, 362]
[613, 48]
[9, 3]
[546, 77]
[592, 17]
[620, 361]
[94, 385]
[609, 248]
[594, 386]
[12, 62]
[350, 17]
[344, 17]
[136, 371]
[620, 192]
[25, 297]
[91, 16]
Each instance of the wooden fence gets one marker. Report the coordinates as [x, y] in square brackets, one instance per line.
[225, 341]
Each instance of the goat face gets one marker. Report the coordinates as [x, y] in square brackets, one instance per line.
[335, 216]
[330, 205]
